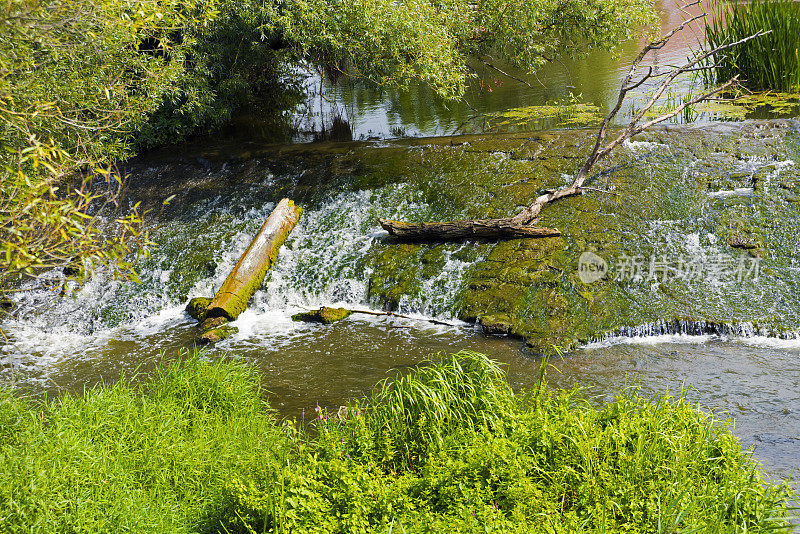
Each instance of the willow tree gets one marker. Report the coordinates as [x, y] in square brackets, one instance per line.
[83, 83]
[397, 43]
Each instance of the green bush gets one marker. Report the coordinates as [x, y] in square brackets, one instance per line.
[769, 62]
[446, 448]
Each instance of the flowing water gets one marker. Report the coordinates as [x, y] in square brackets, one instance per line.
[63, 337]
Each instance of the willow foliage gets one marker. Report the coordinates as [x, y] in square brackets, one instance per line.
[430, 40]
[77, 81]
[85, 83]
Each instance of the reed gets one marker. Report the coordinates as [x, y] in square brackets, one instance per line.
[770, 62]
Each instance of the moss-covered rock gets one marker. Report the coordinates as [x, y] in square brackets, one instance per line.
[324, 315]
[672, 197]
[216, 335]
[211, 323]
[197, 308]
[214, 329]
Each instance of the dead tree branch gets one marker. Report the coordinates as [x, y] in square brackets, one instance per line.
[520, 225]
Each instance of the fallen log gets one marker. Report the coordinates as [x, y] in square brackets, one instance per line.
[464, 229]
[249, 272]
[326, 315]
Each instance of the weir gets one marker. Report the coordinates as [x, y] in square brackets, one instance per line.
[531, 289]
[337, 256]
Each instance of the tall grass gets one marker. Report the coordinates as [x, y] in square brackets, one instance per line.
[122, 458]
[446, 448]
[769, 62]
[450, 448]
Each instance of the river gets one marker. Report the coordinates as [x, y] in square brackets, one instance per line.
[226, 186]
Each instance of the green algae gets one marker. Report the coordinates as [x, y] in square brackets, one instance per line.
[568, 112]
[197, 308]
[753, 105]
[215, 335]
[215, 329]
[211, 323]
[324, 315]
[657, 199]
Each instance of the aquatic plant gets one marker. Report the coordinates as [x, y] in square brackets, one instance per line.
[446, 447]
[771, 62]
[570, 111]
[767, 104]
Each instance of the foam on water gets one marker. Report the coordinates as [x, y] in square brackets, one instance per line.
[657, 339]
[642, 145]
[696, 332]
[751, 166]
[789, 342]
[323, 263]
[737, 192]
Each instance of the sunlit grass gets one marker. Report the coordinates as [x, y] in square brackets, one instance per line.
[121, 458]
[447, 447]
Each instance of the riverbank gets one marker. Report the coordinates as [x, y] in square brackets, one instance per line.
[448, 446]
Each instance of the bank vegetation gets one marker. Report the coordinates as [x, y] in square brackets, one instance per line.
[446, 448]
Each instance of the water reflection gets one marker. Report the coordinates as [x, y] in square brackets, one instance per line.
[375, 112]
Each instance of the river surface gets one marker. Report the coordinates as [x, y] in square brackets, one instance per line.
[107, 328]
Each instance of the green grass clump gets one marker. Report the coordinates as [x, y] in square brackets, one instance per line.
[446, 448]
[121, 458]
[769, 62]
[450, 448]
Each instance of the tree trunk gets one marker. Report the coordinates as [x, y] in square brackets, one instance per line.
[509, 227]
[249, 272]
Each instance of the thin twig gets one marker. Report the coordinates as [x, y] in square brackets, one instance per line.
[401, 316]
[504, 73]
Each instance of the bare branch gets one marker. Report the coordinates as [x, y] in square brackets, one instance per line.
[520, 224]
[507, 75]
[640, 82]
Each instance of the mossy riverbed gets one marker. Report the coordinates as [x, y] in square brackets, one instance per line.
[698, 227]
